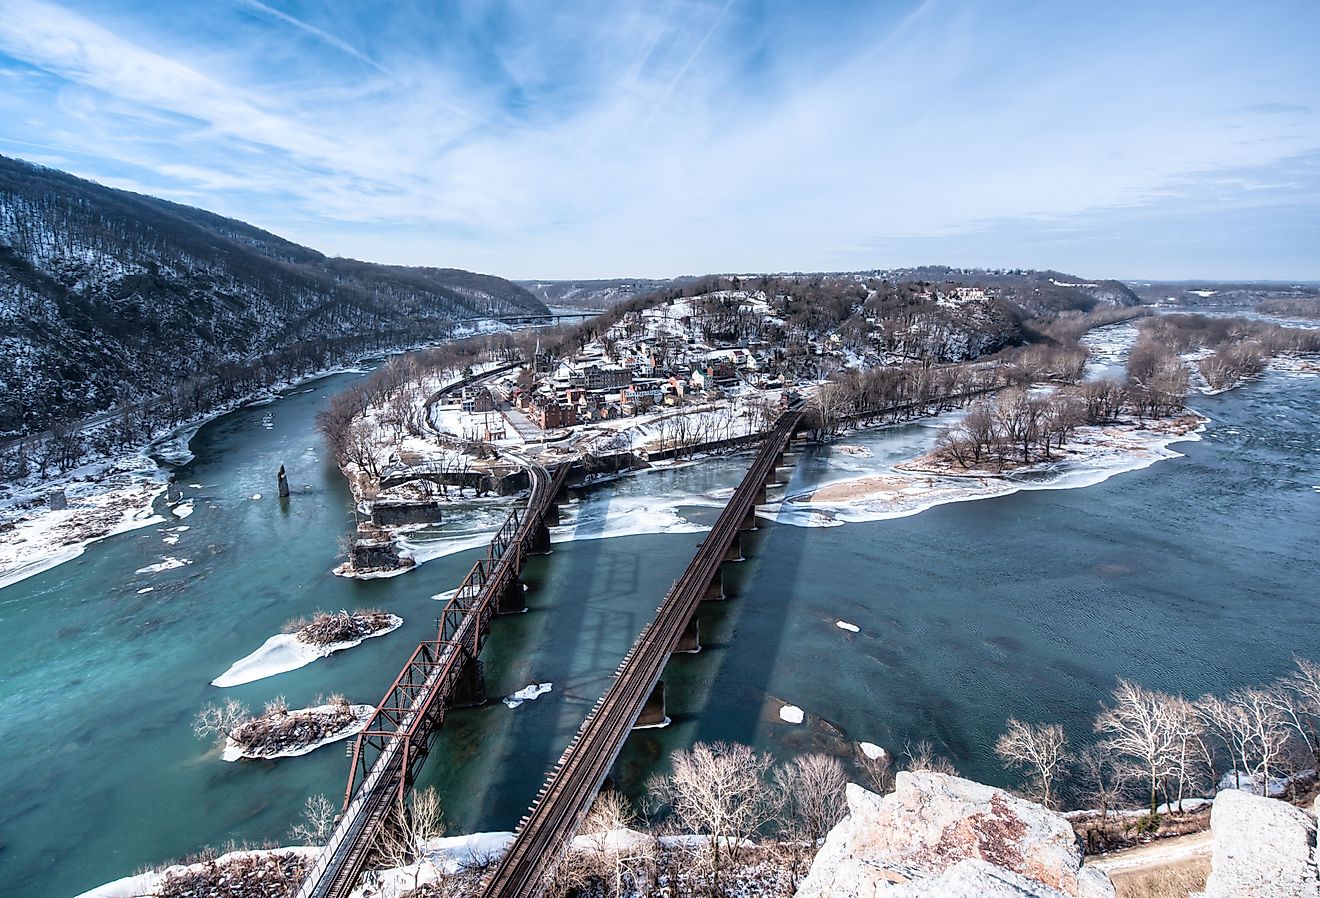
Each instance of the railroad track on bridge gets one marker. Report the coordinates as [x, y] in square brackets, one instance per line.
[543, 834]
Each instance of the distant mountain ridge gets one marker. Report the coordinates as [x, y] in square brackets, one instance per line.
[108, 296]
[1053, 288]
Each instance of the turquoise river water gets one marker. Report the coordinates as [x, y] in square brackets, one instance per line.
[1198, 573]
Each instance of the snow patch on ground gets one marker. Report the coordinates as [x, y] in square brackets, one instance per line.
[530, 693]
[286, 652]
[871, 750]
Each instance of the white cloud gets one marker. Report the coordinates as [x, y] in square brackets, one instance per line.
[649, 140]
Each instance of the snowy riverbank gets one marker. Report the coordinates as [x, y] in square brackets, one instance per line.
[103, 500]
[105, 497]
[285, 652]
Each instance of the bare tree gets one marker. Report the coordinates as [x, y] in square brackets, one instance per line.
[1303, 708]
[1102, 781]
[1267, 730]
[1187, 762]
[922, 756]
[1227, 722]
[400, 842]
[1040, 749]
[622, 860]
[1140, 729]
[878, 771]
[811, 798]
[317, 822]
[218, 721]
[718, 790]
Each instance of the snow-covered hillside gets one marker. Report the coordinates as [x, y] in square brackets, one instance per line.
[107, 296]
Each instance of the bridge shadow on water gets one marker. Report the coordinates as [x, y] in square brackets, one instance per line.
[587, 601]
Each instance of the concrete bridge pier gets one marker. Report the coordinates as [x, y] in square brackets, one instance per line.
[512, 597]
[690, 642]
[551, 516]
[734, 552]
[653, 712]
[470, 690]
[540, 544]
[749, 520]
[715, 589]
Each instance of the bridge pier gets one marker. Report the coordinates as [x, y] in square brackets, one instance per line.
[715, 589]
[653, 712]
[690, 642]
[512, 598]
[749, 520]
[540, 542]
[734, 552]
[551, 516]
[470, 690]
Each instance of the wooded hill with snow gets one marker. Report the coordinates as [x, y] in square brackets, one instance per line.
[108, 296]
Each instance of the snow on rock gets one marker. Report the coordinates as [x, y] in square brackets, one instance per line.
[1262, 848]
[938, 835]
[233, 751]
[530, 693]
[287, 652]
[871, 750]
[791, 714]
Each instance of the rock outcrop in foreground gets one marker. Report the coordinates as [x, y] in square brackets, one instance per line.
[938, 835]
[1263, 848]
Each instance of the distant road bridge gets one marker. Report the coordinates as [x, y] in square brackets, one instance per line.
[544, 318]
[636, 695]
[442, 673]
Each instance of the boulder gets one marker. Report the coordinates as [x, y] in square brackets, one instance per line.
[938, 835]
[1262, 848]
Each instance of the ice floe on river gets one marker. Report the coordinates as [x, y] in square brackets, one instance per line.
[527, 694]
[168, 563]
[285, 652]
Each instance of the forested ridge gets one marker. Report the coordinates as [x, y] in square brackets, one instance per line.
[109, 297]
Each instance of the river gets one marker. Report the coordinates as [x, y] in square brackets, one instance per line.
[1195, 574]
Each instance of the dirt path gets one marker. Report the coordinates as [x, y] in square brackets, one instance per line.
[1165, 852]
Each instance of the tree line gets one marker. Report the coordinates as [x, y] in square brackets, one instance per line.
[72, 442]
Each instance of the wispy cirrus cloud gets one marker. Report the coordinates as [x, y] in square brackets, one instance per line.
[657, 138]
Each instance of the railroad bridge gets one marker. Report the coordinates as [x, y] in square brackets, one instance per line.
[441, 674]
[636, 695]
[445, 673]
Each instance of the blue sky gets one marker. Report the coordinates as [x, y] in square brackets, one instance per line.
[571, 139]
